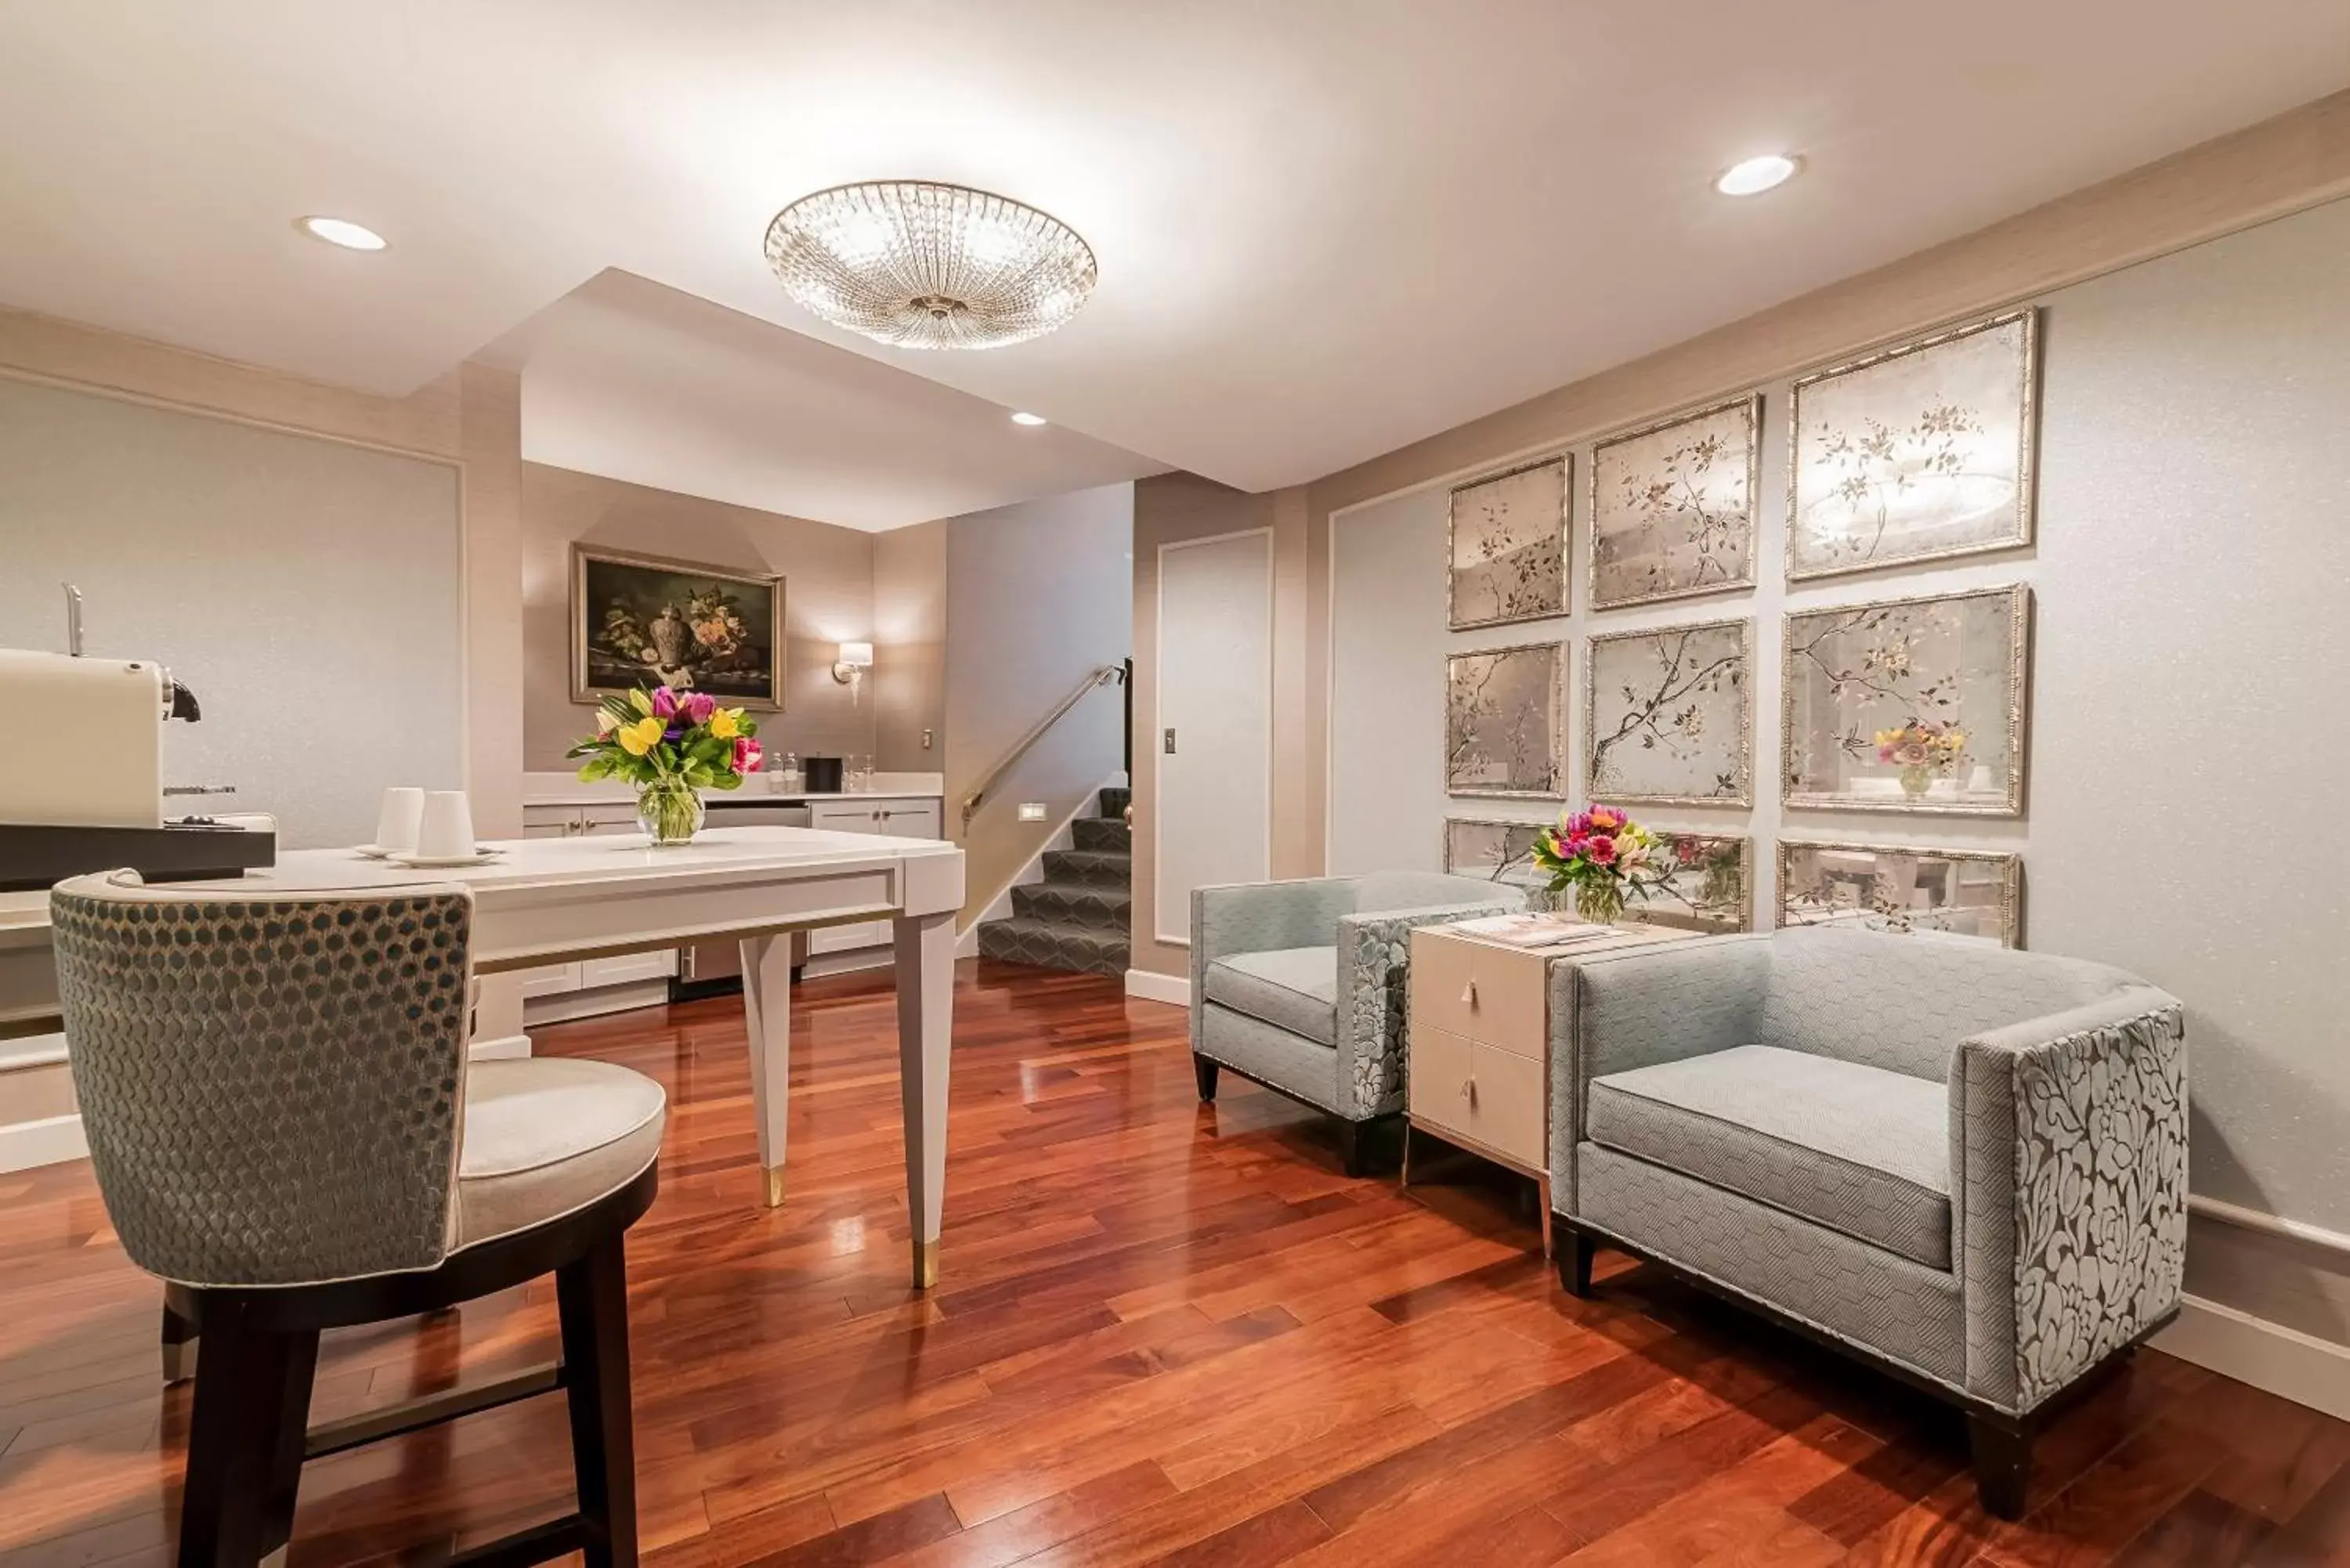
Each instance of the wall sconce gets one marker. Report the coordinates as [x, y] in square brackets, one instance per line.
[856, 659]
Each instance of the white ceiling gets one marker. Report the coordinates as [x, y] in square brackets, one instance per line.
[1326, 227]
[627, 378]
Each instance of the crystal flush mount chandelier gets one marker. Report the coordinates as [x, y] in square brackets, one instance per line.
[926, 266]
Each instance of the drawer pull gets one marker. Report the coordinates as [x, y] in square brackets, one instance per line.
[1469, 994]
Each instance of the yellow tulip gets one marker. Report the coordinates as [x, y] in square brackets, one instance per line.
[726, 723]
[640, 737]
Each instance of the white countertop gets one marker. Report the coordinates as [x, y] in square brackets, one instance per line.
[565, 789]
[527, 862]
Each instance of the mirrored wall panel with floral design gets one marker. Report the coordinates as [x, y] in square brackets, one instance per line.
[1878, 888]
[1918, 455]
[1507, 542]
[1707, 887]
[1672, 507]
[1667, 715]
[1503, 718]
[1913, 704]
[1497, 850]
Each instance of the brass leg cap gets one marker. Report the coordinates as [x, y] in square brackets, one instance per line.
[180, 1361]
[926, 1265]
[774, 1186]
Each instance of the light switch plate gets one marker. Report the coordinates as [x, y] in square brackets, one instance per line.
[926, 739]
[1031, 811]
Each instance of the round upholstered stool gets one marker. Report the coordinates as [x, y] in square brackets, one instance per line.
[287, 1130]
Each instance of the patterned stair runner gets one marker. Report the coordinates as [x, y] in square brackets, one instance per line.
[1076, 919]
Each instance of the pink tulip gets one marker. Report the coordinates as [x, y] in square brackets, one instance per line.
[664, 702]
[697, 706]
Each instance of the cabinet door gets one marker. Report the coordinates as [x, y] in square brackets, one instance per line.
[908, 819]
[1440, 1078]
[847, 816]
[549, 821]
[550, 979]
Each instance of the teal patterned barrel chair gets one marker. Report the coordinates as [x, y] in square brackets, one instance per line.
[1299, 986]
[1963, 1164]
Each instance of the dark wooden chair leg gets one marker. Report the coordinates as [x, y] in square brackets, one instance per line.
[592, 1299]
[240, 1490]
[1355, 1146]
[1205, 1071]
[180, 1336]
[1572, 1248]
[2002, 1461]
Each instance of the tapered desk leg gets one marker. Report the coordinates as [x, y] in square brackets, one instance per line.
[925, 947]
[768, 1010]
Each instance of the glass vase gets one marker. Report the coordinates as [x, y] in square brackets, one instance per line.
[670, 811]
[1601, 903]
[1916, 781]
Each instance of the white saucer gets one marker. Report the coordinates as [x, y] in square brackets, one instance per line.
[437, 862]
[371, 851]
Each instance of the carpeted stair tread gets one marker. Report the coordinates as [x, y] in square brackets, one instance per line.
[1082, 950]
[1092, 867]
[1104, 833]
[1074, 904]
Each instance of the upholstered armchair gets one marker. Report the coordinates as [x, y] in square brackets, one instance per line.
[1965, 1165]
[1298, 986]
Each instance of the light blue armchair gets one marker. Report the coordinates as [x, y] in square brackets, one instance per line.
[1298, 986]
[1963, 1165]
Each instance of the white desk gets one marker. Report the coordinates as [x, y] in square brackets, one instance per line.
[553, 900]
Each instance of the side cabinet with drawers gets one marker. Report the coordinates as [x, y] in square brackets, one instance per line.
[1479, 1074]
[855, 814]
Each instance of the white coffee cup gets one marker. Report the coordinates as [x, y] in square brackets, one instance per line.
[396, 824]
[447, 828]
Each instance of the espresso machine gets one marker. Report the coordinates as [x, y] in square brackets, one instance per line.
[90, 797]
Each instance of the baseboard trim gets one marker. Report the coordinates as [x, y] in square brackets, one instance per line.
[2243, 1219]
[52, 1140]
[2268, 1356]
[1152, 986]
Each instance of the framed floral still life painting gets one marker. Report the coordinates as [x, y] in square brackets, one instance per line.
[1708, 885]
[1913, 704]
[1919, 454]
[1668, 716]
[1503, 725]
[642, 620]
[1672, 507]
[1505, 545]
[1492, 848]
[1872, 886]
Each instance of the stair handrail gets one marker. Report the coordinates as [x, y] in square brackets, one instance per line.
[1107, 675]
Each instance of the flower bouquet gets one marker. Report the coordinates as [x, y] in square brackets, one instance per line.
[1604, 855]
[1924, 751]
[671, 746]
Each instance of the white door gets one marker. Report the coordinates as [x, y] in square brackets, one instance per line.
[1213, 743]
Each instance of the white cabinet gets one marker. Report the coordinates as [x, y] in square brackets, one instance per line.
[576, 984]
[892, 819]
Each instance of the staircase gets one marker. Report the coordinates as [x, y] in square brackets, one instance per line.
[1077, 918]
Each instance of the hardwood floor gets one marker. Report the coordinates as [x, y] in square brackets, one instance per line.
[1164, 1334]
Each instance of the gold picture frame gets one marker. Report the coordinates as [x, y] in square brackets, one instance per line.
[634, 622]
[1738, 535]
[1675, 706]
[1537, 597]
[1881, 908]
[1902, 695]
[1916, 448]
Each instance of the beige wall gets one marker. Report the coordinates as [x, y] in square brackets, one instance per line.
[909, 647]
[827, 599]
[1036, 601]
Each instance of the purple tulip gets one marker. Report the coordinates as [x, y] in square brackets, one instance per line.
[664, 702]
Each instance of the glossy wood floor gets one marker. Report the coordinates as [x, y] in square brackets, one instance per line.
[1165, 1333]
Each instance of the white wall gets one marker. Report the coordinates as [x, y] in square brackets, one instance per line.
[1038, 595]
[2189, 738]
[308, 591]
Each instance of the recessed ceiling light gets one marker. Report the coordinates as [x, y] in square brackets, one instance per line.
[341, 231]
[1027, 418]
[1757, 174]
